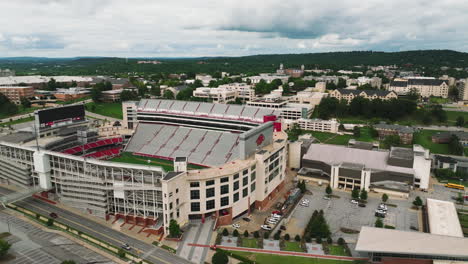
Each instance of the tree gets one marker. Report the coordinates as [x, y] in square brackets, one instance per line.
[25, 102]
[384, 197]
[379, 222]
[319, 240]
[220, 258]
[418, 201]
[297, 238]
[52, 84]
[454, 146]
[4, 247]
[128, 95]
[341, 241]
[73, 84]
[276, 236]
[391, 141]
[453, 92]
[460, 121]
[121, 253]
[225, 232]
[256, 234]
[355, 193]
[246, 233]
[155, 90]
[168, 94]
[294, 132]
[266, 235]
[235, 233]
[329, 240]
[96, 94]
[308, 239]
[50, 222]
[302, 186]
[174, 228]
[328, 190]
[287, 237]
[373, 132]
[356, 132]
[68, 262]
[363, 195]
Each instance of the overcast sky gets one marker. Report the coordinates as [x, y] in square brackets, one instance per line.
[188, 28]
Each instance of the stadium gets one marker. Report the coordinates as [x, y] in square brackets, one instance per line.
[169, 160]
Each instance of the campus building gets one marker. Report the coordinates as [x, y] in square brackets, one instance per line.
[393, 171]
[446, 136]
[226, 93]
[315, 124]
[425, 87]
[15, 93]
[267, 77]
[404, 132]
[349, 94]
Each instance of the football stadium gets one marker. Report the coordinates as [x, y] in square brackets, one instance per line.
[168, 160]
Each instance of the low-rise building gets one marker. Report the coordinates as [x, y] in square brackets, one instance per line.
[287, 110]
[293, 72]
[267, 77]
[6, 72]
[226, 93]
[329, 126]
[205, 79]
[349, 94]
[404, 132]
[71, 93]
[444, 137]
[111, 95]
[117, 83]
[425, 87]
[453, 163]
[15, 93]
[307, 97]
[463, 91]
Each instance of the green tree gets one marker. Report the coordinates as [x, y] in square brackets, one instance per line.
[128, 95]
[96, 94]
[52, 85]
[379, 223]
[50, 222]
[460, 121]
[225, 232]
[294, 132]
[68, 262]
[276, 236]
[341, 241]
[256, 234]
[174, 228]
[121, 253]
[357, 132]
[329, 240]
[297, 238]
[219, 258]
[328, 190]
[73, 84]
[287, 237]
[168, 94]
[155, 90]
[454, 146]
[384, 197]
[235, 233]
[266, 235]
[363, 195]
[4, 247]
[246, 233]
[391, 141]
[453, 92]
[25, 102]
[319, 240]
[355, 193]
[418, 201]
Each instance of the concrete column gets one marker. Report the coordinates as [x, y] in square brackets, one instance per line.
[365, 179]
[42, 168]
[334, 176]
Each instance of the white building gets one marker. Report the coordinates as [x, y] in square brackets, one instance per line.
[226, 93]
[205, 79]
[267, 77]
[320, 125]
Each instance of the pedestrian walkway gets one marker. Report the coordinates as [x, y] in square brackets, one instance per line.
[197, 233]
[284, 253]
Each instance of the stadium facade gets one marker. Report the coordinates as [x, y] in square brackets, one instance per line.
[240, 150]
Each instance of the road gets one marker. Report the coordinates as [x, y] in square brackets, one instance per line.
[99, 231]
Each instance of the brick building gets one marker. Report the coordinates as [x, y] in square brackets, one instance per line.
[404, 132]
[14, 93]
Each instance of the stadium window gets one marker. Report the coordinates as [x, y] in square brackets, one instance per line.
[177, 190]
[225, 179]
[208, 183]
[194, 194]
[236, 176]
[253, 176]
[177, 201]
[170, 206]
[253, 167]
[252, 187]
[245, 180]
[171, 216]
[195, 207]
[236, 197]
[236, 185]
[224, 189]
[225, 201]
[194, 184]
[245, 192]
[170, 194]
[210, 192]
[245, 172]
[210, 204]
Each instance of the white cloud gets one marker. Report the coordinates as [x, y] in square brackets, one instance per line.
[230, 27]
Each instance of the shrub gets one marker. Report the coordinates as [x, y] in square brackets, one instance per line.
[319, 240]
[287, 237]
[235, 233]
[297, 238]
[225, 232]
[219, 258]
[341, 241]
[50, 222]
[276, 236]
[246, 233]
[4, 247]
[329, 240]
[266, 235]
[174, 228]
[384, 197]
[417, 201]
[256, 234]
[121, 253]
[379, 223]
[308, 239]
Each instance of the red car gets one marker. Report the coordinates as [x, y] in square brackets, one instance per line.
[277, 212]
[53, 215]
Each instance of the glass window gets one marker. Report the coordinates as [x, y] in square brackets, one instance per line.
[177, 190]
[170, 206]
[225, 179]
[236, 185]
[225, 201]
[253, 176]
[210, 192]
[195, 184]
[252, 187]
[177, 201]
[245, 172]
[195, 194]
[245, 181]
[236, 197]
[253, 167]
[245, 192]
[224, 189]
[236, 176]
[208, 183]
[195, 207]
[210, 204]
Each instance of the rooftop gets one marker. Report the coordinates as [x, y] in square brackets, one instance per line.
[443, 218]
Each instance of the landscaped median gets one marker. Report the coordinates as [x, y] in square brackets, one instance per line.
[51, 223]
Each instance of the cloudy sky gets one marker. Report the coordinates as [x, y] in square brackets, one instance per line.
[188, 28]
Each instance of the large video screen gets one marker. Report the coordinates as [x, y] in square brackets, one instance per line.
[52, 116]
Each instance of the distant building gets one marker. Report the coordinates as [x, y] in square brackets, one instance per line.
[349, 95]
[307, 97]
[320, 125]
[6, 73]
[424, 86]
[205, 79]
[375, 82]
[111, 95]
[287, 110]
[463, 92]
[404, 132]
[267, 77]
[38, 81]
[444, 137]
[117, 83]
[14, 93]
[226, 93]
[149, 62]
[295, 73]
[453, 163]
[71, 93]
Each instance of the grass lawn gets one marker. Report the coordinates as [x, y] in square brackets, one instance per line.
[337, 250]
[106, 109]
[293, 246]
[74, 101]
[335, 139]
[452, 117]
[278, 259]
[21, 111]
[167, 165]
[250, 242]
[18, 121]
[423, 138]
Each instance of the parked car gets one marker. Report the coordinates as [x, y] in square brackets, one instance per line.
[282, 227]
[272, 221]
[379, 215]
[246, 219]
[380, 211]
[304, 204]
[235, 225]
[354, 202]
[53, 215]
[326, 198]
[277, 212]
[265, 227]
[362, 205]
[126, 247]
[276, 216]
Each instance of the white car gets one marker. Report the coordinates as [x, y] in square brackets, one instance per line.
[272, 221]
[354, 202]
[380, 211]
[326, 198]
[265, 227]
[304, 204]
[276, 216]
[305, 200]
[235, 226]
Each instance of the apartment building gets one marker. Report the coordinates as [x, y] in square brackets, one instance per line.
[404, 132]
[14, 93]
[315, 124]
[463, 91]
[425, 86]
[349, 95]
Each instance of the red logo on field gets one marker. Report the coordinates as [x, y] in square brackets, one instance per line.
[260, 139]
